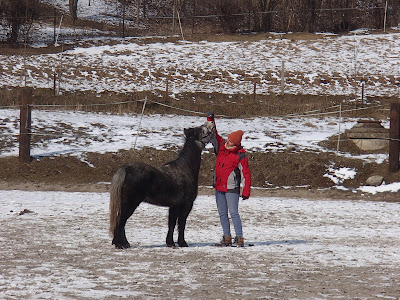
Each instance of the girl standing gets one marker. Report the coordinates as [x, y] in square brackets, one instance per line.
[232, 179]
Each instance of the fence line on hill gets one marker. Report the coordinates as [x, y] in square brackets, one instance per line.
[314, 113]
[276, 82]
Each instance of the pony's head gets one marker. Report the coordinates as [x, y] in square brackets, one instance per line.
[201, 134]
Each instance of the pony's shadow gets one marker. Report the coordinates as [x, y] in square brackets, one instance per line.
[249, 244]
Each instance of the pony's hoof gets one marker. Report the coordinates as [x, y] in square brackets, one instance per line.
[122, 246]
[171, 245]
[184, 244]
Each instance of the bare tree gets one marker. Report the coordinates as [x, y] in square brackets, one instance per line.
[73, 9]
[254, 10]
[267, 9]
[18, 13]
[226, 10]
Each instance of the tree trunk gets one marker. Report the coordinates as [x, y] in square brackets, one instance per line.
[73, 8]
[15, 25]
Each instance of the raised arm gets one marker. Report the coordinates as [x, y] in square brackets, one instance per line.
[216, 139]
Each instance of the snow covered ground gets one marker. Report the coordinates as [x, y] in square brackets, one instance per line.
[102, 132]
[330, 65]
[325, 66]
[303, 249]
[104, 10]
[60, 248]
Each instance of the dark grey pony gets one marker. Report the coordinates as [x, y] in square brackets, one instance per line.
[174, 185]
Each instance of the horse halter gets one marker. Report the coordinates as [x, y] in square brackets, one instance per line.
[209, 126]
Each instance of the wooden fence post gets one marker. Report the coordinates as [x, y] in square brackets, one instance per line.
[123, 19]
[394, 136]
[283, 79]
[174, 10]
[55, 25]
[25, 126]
[362, 93]
[385, 17]
[193, 14]
[137, 13]
[54, 83]
[166, 89]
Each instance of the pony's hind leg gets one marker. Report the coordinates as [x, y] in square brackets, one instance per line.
[120, 241]
[172, 217]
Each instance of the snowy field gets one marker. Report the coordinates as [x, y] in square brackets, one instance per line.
[74, 131]
[328, 65]
[55, 245]
[303, 249]
[325, 66]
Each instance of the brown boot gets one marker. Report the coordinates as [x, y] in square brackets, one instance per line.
[226, 241]
[239, 242]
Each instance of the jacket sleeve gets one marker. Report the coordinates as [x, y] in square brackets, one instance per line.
[216, 139]
[246, 177]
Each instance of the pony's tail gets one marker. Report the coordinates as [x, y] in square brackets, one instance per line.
[115, 198]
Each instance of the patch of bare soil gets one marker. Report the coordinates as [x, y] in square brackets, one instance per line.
[288, 173]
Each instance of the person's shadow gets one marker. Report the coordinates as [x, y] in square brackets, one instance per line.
[284, 242]
[247, 244]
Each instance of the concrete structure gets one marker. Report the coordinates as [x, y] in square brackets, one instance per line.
[369, 135]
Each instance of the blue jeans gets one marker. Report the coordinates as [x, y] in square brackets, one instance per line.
[229, 202]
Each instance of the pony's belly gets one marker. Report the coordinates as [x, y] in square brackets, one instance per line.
[163, 200]
[165, 195]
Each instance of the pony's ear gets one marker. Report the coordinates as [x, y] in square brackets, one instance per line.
[188, 132]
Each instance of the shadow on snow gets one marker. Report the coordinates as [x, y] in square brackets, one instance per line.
[248, 244]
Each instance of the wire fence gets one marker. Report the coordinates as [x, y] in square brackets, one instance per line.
[332, 110]
[309, 113]
[278, 81]
[37, 132]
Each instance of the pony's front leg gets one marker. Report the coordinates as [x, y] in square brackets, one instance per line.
[173, 216]
[181, 236]
[184, 213]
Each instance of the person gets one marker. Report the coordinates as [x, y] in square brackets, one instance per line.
[232, 179]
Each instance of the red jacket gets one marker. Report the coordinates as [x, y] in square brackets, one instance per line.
[232, 172]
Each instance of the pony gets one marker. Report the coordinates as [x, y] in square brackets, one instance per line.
[174, 185]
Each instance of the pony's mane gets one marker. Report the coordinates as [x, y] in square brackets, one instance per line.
[188, 155]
